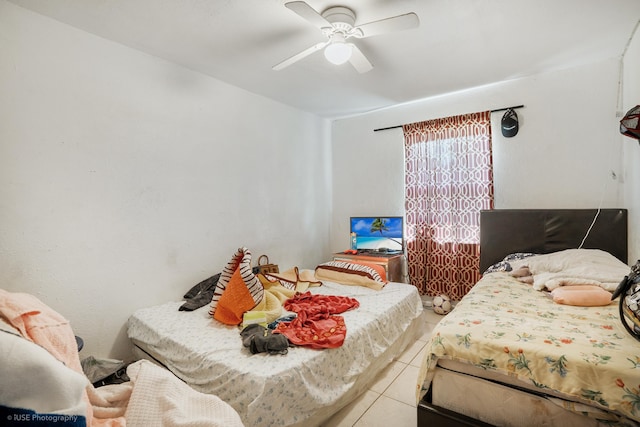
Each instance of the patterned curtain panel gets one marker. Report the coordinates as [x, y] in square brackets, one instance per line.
[448, 180]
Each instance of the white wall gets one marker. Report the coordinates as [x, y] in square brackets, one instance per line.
[563, 156]
[125, 179]
[631, 98]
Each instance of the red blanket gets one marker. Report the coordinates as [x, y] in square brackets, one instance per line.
[317, 325]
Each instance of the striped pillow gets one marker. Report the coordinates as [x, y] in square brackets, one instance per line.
[348, 273]
[238, 290]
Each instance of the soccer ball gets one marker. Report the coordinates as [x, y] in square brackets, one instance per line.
[441, 304]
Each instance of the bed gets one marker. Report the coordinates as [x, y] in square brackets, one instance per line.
[306, 386]
[509, 355]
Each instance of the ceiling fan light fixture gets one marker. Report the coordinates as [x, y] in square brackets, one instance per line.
[337, 24]
[338, 52]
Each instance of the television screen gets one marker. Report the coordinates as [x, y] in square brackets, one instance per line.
[378, 233]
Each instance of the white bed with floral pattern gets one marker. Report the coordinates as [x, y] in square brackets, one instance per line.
[565, 365]
[303, 387]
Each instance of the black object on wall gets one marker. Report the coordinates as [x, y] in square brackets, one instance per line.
[630, 123]
[509, 123]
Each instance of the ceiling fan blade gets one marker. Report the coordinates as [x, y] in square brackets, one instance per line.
[358, 60]
[387, 25]
[297, 57]
[308, 13]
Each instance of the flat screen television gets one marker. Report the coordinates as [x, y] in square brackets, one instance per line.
[378, 234]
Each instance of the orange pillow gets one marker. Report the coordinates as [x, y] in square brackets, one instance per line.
[237, 291]
[581, 295]
[234, 301]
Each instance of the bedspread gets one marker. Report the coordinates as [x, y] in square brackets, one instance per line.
[277, 390]
[508, 327]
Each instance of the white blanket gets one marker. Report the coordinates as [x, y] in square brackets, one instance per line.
[159, 398]
[574, 267]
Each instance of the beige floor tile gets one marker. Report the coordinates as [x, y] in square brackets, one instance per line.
[411, 352]
[426, 335]
[417, 361]
[386, 377]
[432, 317]
[403, 388]
[386, 412]
[351, 413]
[390, 401]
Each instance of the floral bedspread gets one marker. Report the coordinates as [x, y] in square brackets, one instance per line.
[508, 327]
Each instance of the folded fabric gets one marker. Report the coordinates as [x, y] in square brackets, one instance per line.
[238, 290]
[294, 279]
[111, 401]
[259, 339]
[316, 324]
[270, 307]
[39, 323]
[201, 294]
[276, 288]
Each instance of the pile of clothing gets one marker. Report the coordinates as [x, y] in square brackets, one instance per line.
[43, 383]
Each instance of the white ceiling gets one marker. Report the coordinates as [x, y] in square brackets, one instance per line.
[459, 44]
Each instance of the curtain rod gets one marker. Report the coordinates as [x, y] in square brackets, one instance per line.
[491, 111]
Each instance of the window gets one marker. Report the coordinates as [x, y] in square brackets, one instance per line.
[448, 181]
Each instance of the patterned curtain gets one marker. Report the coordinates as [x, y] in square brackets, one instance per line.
[448, 180]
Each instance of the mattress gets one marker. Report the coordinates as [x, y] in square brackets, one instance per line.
[512, 403]
[508, 332]
[303, 387]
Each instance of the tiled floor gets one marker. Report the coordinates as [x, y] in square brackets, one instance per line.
[390, 401]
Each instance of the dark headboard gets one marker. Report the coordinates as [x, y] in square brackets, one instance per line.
[505, 231]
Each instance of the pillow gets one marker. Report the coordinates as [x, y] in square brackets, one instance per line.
[572, 267]
[238, 290]
[505, 264]
[581, 295]
[234, 301]
[377, 267]
[349, 273]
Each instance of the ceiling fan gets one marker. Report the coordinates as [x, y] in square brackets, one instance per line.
[337, 24]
